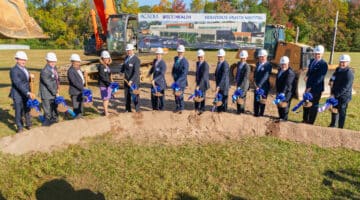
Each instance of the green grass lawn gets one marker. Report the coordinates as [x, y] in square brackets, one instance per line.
[255, 168]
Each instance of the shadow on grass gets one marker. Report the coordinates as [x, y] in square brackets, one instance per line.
[344, 177]
[61, 189]
[1, 196]
[184, 196]
[7, 119]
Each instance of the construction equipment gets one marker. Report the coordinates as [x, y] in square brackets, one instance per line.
[15, 21]
[299, 55]
[117, 31]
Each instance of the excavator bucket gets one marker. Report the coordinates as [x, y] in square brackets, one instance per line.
[15, 21]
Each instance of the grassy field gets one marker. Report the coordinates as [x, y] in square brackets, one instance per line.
[255, 168]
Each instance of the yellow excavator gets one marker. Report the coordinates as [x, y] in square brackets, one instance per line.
[15, 21]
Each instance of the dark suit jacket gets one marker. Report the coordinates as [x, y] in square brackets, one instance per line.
[342, 84]
[222, 77]
[104, 76]
[261, 76]
[131, 69]
[316, 75]
[158, 72]
[242, 80]
[180, 71]
[19, 84]
[48, 83]
[76, 85]
[202, 76]
[285, 83]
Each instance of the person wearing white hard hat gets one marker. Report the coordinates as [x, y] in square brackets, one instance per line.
[242, 79]
[131, 70]
[104, 80]
[20, 91]
[222, 80]
[201, 80]
[49, 89]
[314, 79]
[76, 84]
[158, 83]
[179, 73]
[341, 89]
[262, 84]
[285, 81]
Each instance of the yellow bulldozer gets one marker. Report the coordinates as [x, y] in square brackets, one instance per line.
[299, 55]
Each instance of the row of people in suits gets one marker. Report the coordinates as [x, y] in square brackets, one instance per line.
[49, 87]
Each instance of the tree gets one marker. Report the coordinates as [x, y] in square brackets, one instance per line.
[224, 6]
[178, 6]
[163, 6]
[197, 6]
[129, 6]
[210, 7]
[145, 9]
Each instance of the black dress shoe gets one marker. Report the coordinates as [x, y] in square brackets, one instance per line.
[20, 130]
[28, 127]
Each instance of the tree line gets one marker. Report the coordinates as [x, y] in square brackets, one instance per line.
[67, 22]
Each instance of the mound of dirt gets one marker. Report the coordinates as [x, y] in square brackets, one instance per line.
[175, 129]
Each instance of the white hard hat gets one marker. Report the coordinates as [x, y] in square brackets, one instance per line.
[284, 60]
[243, 54]
[200, 52]
[75, 57]
[129, 47]
[105, 54]
[221, 52]
[159, 50]
[319, 49]
[262, 52]
[51, 57]
[21, 55]
[344, 58]
[180, 48]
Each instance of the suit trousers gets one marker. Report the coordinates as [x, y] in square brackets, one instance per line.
[201, 105]
[259, 108]
[21, 110]
[50, 110]
[284, 112]
[241, 107]
[179, 101]
[223, 107]
[158, 102]
[309, 115]
[129, 97]
[339, 118]
[77, 101]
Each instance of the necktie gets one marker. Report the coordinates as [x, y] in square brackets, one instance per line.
[238, 71]
[259, 67]
[313, 64]
[56, 76]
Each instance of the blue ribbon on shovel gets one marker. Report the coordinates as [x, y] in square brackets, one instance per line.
[260, 93]
[238, 93]
[88, 94]
[306, 97]
[61, 100]
[217, 98]
[279, 98]
[114, 88]
[329, 102]
[34, 104]
[197, 93]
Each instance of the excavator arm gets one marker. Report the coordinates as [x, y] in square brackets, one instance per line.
[15, 22]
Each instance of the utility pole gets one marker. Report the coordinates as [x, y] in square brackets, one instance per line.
[334, 38]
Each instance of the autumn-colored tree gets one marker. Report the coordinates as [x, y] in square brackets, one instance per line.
[178, 6]
[163, 6]
[197, 6]
[128, 6]
[224, 6]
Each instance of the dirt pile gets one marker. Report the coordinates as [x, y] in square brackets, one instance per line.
[175, 129]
